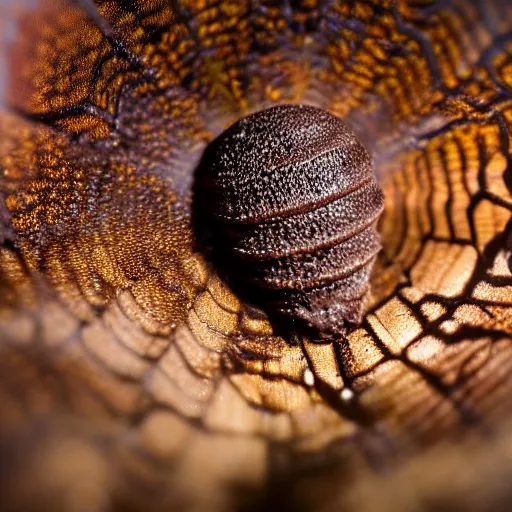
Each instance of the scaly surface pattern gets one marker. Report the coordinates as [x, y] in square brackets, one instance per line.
[130, 372]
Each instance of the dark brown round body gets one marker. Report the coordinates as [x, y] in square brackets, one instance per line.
[290, 192]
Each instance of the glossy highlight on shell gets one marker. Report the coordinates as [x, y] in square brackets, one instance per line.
[294, 204]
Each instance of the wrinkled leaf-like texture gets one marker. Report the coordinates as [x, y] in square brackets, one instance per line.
[133, 378]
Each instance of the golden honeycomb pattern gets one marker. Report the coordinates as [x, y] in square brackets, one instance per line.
[124, 351]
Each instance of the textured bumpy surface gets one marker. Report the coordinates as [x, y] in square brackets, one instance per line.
[133, 377]
[291, 195]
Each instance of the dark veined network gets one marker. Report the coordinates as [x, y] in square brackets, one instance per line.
[257, 254]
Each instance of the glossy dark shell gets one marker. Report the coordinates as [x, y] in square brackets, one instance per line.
[290, 192]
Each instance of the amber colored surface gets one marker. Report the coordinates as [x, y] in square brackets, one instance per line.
[133, 378]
